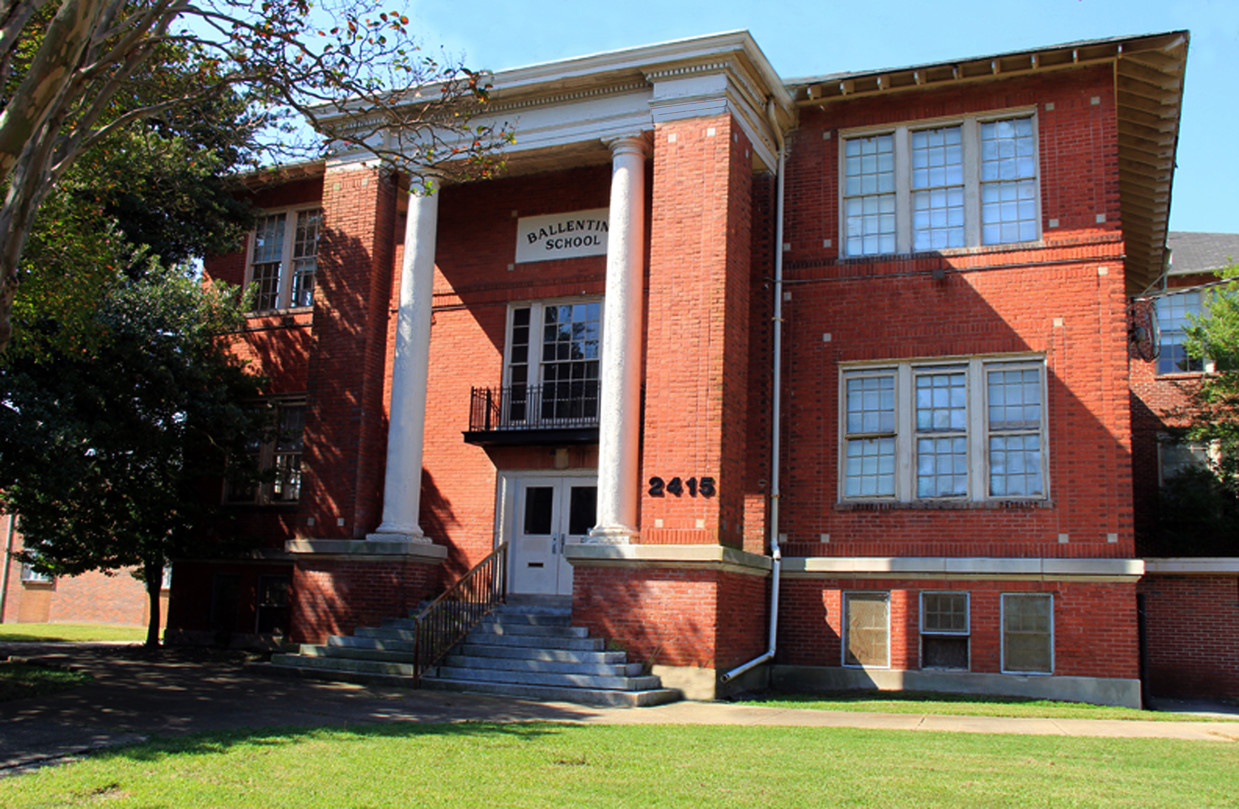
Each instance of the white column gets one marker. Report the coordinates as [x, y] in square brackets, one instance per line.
[402, 487]
[622, 330]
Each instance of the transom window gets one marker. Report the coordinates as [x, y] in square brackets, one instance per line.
[972, 429]
[972, 182]
[554, 351]
[283, 259]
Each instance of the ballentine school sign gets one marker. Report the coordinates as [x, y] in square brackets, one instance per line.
[562, 235]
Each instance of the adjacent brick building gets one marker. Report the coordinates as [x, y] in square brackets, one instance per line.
[857, 345]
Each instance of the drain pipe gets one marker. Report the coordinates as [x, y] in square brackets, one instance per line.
[4, 581]
[776, 554]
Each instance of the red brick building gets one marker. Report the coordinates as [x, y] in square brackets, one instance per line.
[854, 346]
[1189, 595]
[30, 597]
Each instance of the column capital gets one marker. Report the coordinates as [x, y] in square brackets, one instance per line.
[636, 143]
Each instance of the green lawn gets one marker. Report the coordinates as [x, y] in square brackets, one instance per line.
[546, 765]
[912, 702]
[21, 680]
[43, 633]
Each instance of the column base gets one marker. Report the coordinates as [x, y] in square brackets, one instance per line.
[612, 535]
[398, 534]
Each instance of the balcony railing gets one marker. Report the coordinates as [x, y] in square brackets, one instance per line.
[561, 411]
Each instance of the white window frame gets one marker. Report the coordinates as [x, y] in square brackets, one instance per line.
[288, 271]
[1204, 456]
[978, 431]
[1207, 365]
[843, 651]
[1002, 632]
[966, 632]
[970, 127]
[267, 454]
[536, 322]
[31, 576]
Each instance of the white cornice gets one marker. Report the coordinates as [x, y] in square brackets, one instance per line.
[818, 567]
[1200, 566]
[699, 557]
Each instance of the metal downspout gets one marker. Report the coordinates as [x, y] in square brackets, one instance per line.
[8, 561]
[776, 554]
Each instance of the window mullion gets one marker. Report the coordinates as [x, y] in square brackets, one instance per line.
[905, 486]
[903, 193]
[972, 182]
[978, 435]
[287, 261]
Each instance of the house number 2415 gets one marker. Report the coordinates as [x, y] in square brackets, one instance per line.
[694, 487]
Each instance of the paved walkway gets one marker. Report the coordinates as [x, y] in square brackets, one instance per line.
[136, 695]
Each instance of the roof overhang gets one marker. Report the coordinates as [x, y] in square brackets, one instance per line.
[1148, 86]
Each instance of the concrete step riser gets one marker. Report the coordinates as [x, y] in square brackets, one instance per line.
[492, 628]
[345, 664]
[567, 644]
[508, 664]
[582, 696]
[535, 653]
[554, 680]
[354, 653]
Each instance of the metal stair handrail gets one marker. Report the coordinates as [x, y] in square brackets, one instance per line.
[448, 618]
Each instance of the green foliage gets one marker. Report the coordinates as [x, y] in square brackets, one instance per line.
[546, 765]
[69, 633]
[105, 442]
[1214, 403]
[1199, 510]
[1198, 515]
[25, 680]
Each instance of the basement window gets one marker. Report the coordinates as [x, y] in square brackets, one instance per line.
[1027, 633]
[866, 630]
[945, 628]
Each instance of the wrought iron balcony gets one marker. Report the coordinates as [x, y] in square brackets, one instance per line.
[556, 412]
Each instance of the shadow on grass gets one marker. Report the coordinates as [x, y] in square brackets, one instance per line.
[224, 742]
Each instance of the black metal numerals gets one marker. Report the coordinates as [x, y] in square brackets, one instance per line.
[693, 487]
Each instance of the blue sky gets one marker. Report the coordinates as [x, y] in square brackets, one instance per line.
[802, 38]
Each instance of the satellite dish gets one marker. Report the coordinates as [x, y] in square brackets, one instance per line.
[1143, 334]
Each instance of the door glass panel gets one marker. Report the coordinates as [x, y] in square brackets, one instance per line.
[539, 502]
[582, 510]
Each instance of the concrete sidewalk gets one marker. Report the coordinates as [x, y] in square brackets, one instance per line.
[137, 695]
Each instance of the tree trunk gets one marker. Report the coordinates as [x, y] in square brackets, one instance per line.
[153, 573]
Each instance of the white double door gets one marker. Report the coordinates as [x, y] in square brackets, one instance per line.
[542, 513]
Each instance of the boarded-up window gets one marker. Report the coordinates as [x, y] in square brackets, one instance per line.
[1028, 633]
[866, 618]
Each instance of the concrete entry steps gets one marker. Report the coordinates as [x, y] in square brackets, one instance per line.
[527, 648]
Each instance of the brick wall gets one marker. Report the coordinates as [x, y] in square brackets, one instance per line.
[475, 281]
[674, 617]
[335, 596]
[697, 329]
[1094, 623]
[92, 597]
[1063, 300]
[1192, 635]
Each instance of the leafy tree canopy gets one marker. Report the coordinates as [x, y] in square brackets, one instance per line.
[1199, 509]
[76, 73]
[105, 442]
